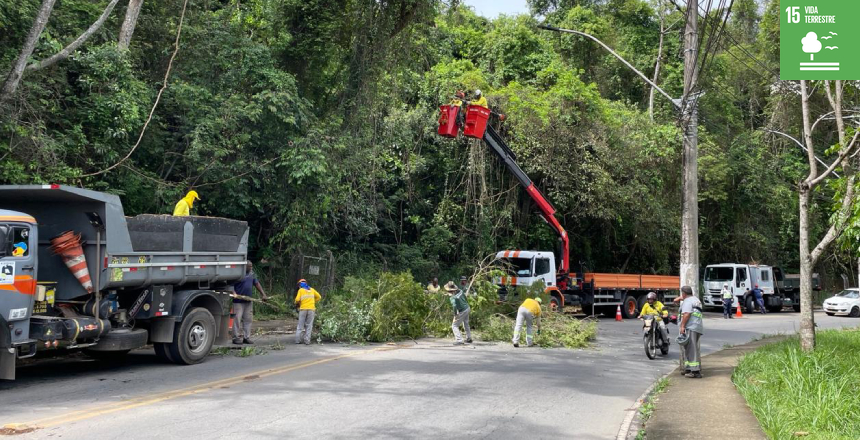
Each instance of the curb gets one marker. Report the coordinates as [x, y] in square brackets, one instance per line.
[633, 411]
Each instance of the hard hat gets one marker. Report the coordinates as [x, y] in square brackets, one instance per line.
[477, 92]
[193, 194]
[725, 284]
[539, 300]
[651, 295]
[683, 339]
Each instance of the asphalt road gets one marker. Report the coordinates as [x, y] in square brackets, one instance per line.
[428, 389]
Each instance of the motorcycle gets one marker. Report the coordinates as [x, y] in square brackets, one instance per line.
[653, 338]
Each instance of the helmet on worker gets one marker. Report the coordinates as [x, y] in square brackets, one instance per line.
[540, 301]
[191, 197]
[651, 297]
[477, 93]
[304, 284]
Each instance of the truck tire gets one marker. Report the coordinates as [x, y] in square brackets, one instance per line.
[193, 337]
[162, 350]
[750, 303]
[555, 304]
[629, 307]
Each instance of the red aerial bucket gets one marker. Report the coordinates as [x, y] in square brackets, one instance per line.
[448, 120]
[476, 121]
[68, 246]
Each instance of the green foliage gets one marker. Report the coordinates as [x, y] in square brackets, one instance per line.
[791, 391]
[557, 330]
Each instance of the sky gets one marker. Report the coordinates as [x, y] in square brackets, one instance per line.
[492, 8]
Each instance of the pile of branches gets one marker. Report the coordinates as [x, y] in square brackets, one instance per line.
[395, 307]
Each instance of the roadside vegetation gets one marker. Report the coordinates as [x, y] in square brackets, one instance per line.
[810, 395]
[395, 307]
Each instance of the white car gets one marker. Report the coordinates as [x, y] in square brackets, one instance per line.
[846, 302]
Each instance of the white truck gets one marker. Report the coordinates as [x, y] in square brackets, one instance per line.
[778, 289]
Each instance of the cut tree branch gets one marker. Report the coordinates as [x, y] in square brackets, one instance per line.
[842, 155]
[64, 54]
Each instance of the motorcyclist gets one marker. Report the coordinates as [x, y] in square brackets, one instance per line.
[658, 310]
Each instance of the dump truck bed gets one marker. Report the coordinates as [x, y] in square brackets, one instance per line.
[193, 251]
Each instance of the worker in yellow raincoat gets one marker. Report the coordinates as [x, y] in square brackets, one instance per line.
[183, 207]
[480, 99]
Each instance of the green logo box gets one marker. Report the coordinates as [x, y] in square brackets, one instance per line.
[819, 39]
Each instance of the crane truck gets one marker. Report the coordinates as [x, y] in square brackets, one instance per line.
[591, 291]
[106, 284]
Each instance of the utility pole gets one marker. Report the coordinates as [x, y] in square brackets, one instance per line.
[689, 270]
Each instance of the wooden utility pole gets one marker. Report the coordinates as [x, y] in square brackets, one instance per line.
[690, 169]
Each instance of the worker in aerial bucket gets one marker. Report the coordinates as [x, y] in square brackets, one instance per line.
[459, 101]
[480, 99]
[183, 207]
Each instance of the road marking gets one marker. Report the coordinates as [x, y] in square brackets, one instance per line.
[137, 402]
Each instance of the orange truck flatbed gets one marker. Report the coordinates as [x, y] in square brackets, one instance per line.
[632, 281]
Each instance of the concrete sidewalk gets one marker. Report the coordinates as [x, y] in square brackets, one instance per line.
[714, 408]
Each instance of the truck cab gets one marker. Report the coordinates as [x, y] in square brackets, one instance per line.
[742, 279]
[524, 268]
[18, 242]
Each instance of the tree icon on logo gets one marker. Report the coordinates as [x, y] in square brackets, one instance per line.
[811, 45]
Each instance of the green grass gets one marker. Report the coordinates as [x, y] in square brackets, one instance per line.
[815, 395]
[647, 408]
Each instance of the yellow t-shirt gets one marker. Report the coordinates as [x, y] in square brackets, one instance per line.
[433, 289]
[532, 306]
[307, 299]
[182, 208]
[481, 101]
[657, 309]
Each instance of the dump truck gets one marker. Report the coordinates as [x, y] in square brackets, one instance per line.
[778, 288]
[76, 274]
[591, 291]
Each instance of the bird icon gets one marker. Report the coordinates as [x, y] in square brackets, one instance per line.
[826, 38]
[833, 33]
[831, 47]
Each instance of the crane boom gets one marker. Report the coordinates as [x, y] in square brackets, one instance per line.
[498, 145]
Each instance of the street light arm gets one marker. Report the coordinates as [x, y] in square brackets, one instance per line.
[675, 102]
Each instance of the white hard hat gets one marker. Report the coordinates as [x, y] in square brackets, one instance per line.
[651, 295]
[478, 92]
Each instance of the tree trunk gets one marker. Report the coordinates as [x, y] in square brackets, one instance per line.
[807, 319]
[17, 70]
[64, 54]
[690, 184]
[130, 22]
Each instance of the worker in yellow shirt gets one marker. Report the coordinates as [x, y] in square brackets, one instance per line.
[480, 100]
[528, 311]
[306, 300]
[658, 311]
[183, 207]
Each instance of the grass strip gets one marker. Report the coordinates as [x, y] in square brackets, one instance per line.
[814, 396]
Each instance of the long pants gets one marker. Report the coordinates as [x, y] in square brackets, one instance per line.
[242, 321]
[523, 314]
[664, 331]
[761, 305]
[461, 318]
[305, 325]
[691, 353]
[727, 307]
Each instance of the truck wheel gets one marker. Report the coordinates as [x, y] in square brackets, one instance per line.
[554, 304]
[162, 350]
[855, 312]
[629, 307]
[193, 338]
[750, 304]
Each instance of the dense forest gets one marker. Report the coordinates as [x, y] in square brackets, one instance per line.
[315, 122]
